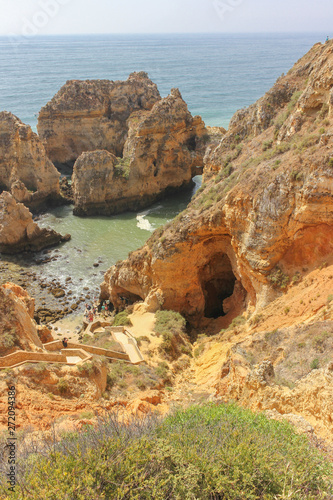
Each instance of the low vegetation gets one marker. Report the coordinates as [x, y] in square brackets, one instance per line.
[122, 319]
[204, 452]
[103, 340]
[278, 278]
[122, 168]
[171, 325]
[121, 376]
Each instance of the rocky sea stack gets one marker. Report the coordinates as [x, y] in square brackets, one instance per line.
[164, 149]
[90, 115]
[263, 218]
[25, 170]
[18, 231]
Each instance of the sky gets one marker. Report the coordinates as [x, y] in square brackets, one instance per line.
[39, 17]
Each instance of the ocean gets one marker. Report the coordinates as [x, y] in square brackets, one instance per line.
[216, 74]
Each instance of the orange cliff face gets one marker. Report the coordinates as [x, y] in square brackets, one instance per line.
[18, 330]
[163, 151]
[91, 115]
[263, 217]
[25, 170]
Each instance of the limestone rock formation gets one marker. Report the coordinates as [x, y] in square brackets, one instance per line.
[90, 115]
[18, 329]
[262, 219]
[161, 154]
[285, 382]
[25, 169]
[19, 233]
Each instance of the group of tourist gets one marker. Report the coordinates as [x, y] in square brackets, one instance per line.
[91, 311]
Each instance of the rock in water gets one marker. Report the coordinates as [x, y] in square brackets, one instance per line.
[25, 169]
[163, 151]
[90, 115]
[19, 233]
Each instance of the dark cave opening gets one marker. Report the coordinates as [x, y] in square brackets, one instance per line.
[127, 298]
[191, 143]
[218, 282]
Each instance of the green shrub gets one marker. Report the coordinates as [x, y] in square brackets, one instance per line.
[278, 278]
[171, 325]
[267, 145]
[122, 375]
[319, 341]
[89, 368]
[8, 339]
[296, 278]
[86, 414]
[204, 452]
[314, 364]
[169, 322]
[122, 168]
[256, 319]
[199, 350]
[238, 321]
[162, 370]
[63, 386]
[122, 319]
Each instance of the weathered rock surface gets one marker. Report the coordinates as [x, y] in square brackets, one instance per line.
[265, 219]
[19, 233]
[284, 383]
[18, 329]
[91, 115]
[25, 170]
[161, 154]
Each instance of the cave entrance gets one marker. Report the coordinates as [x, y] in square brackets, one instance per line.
[218, 282]
[127, 298]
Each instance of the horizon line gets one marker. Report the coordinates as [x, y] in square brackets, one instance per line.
[9, 35]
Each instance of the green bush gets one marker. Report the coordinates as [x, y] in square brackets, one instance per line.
[204, 452]
[62, 386]
[122, 168]
[8, 339]
[169, 322]
[122, 375]
[267, 145]
[314, 364]
[122, 319]
[171, 325]
[278, 278]
[162, 370]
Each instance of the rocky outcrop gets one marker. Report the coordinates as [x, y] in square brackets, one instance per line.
[91, 115]
[18, 329]
[19, 233]
[25, 170]
[275, 371]
[162, 153]
[262, 219]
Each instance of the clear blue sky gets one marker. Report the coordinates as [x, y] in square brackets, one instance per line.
[21, 17]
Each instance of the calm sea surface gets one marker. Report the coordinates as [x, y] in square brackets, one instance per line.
[216, 74]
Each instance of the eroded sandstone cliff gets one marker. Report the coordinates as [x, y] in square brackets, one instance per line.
[162, 153]
[25, 170]
[18, 329]
[18, 231]
[263, 217]
[91, 115]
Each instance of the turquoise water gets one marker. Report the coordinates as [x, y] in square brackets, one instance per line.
[216, 74]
